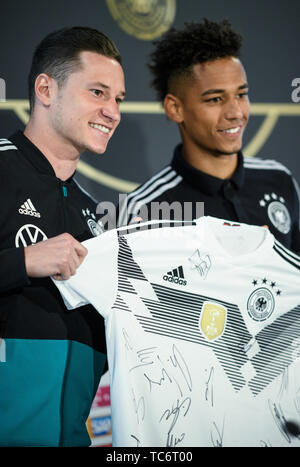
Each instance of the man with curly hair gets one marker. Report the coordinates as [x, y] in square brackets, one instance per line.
[199, 78]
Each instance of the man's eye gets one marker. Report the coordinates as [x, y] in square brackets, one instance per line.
[97, 92]
[213, 99]
[243, 94]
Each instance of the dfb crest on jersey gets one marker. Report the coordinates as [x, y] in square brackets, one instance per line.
[277, 212]
[212, 320]
[261, 304]
[95, 227]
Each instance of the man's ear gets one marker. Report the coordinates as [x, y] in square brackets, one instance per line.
[173, 108]
[44, 88]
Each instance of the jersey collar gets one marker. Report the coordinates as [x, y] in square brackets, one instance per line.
[207, 183]
[211, 228]
[33, 155]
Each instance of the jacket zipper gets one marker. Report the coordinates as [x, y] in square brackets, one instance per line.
[64, 193]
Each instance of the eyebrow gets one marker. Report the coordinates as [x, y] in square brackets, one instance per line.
[220, 91]
[105, 86]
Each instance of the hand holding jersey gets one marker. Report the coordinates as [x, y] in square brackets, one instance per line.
[58, 257]
[53, 359]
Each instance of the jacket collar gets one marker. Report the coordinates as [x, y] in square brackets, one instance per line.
[33, 155]
[204, 182]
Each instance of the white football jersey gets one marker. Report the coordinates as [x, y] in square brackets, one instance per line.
[203, 332]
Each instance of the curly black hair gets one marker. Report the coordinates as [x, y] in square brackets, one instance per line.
[178, 50]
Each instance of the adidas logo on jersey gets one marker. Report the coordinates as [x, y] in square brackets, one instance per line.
[175, 276]
[28, 209]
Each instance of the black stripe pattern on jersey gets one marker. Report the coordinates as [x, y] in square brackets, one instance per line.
[127, 268]
[247, 360]
[287, 255]
[279, 347]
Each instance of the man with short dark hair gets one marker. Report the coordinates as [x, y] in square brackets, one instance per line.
[198, 75]
[51, 360]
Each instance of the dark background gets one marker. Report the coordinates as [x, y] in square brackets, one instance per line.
[144, 143]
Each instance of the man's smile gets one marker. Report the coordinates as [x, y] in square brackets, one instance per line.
[102, 128]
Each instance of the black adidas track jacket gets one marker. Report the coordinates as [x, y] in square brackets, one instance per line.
[51, 359]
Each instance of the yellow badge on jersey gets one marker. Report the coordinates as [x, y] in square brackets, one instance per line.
[212, 320]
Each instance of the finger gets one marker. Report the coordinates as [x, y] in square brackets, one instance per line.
[72, 259]
[64, 269]
[136, 220]
[70, 244]
[81, 251]
[58, 277]
[74, 263]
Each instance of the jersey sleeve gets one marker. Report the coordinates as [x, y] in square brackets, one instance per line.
[96, 279]
[12, 260]
[12, 269]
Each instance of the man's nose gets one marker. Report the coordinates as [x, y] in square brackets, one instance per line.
[233, 109]
[111, 110]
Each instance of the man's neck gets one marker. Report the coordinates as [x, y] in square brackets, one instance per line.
[220, 166]
[63, 160]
